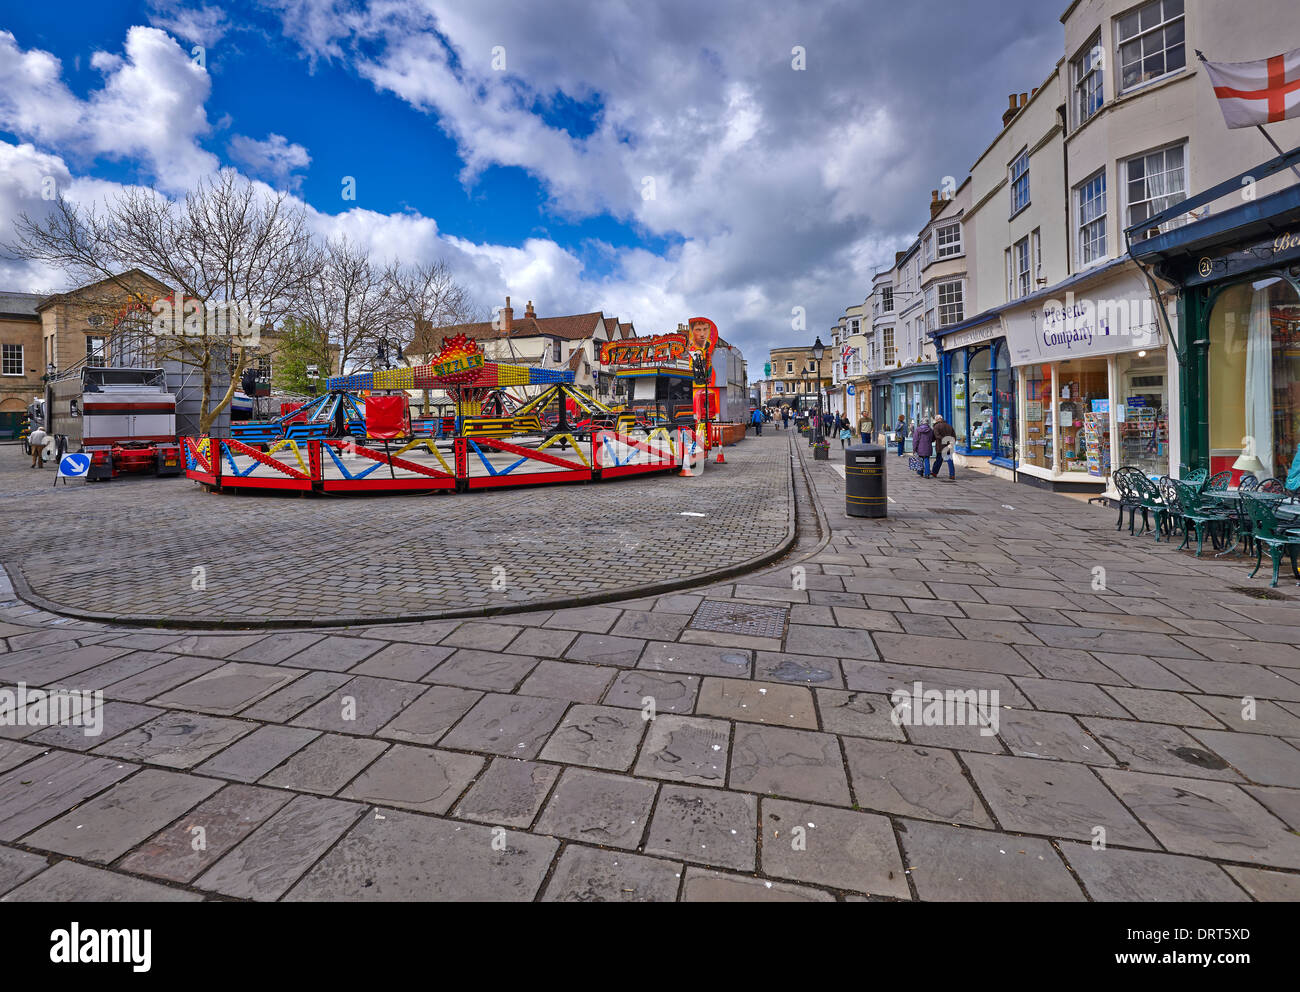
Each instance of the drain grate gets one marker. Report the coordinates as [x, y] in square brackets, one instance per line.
[955, 513]
[1258, 592]
[738, 618]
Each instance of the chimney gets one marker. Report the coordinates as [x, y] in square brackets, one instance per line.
[936, 204]
[507, 319]
[1011, 111]
[528, 312]
[1033, 92]
[1024, 99]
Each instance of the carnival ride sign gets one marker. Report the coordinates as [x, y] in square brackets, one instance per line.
[658, 350]
[465, 363]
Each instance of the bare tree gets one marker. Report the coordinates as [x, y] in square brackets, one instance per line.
[427, 295]
[226, 248]
[350, 305]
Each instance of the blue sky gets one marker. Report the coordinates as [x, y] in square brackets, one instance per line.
[770, 188]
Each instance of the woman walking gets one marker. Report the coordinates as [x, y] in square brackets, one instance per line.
[923, 447]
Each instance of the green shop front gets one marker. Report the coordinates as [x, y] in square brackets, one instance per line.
[913, 393]
[1238, 329]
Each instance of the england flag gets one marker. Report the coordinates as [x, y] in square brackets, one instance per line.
[1253, 93]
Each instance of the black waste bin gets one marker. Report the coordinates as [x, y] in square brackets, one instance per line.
[864, 481]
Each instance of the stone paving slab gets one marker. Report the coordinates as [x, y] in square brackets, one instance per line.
[1143, 749]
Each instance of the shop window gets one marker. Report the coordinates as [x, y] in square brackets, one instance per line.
[1039, 437]
[979, 382]
[1151, 43]
[1083, 410]
[959, 405]
[1004, 394]
[1142, 413]
[1254, 401]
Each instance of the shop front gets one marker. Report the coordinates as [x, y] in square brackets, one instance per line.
[1238, 273]
[978, 391]
[882, 405]
[1092, 371]
[913, 394]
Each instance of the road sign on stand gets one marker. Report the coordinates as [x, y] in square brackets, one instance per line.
[73, 466]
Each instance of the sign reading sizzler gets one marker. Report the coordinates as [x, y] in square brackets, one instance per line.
[462, 364]
[660, 349]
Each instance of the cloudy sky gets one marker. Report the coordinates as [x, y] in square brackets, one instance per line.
[655, 160]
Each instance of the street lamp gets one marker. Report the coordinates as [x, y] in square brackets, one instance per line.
[819, 349]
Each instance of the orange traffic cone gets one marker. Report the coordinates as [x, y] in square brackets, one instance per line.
[721, 460]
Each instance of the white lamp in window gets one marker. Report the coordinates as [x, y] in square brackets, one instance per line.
[1249, 465]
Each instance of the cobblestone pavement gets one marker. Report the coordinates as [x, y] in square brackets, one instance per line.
[510, 758]
[276, 558]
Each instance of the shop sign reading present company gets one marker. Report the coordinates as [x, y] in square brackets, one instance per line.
[1080, 327]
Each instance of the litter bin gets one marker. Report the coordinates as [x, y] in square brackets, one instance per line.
[864, 481]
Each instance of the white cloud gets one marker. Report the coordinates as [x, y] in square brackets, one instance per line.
[149, 110]
[275, 159]
[204, 25]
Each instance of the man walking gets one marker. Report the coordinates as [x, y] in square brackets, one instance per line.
[944, 440]
[37, 439]
[785, 418]
[900, 433]
[757, 418]
[866, 428]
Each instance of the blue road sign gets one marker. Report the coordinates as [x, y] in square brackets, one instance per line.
[74, 466]
[850, 389]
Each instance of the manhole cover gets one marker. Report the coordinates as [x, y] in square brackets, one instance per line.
[735, 618]
[955, 513]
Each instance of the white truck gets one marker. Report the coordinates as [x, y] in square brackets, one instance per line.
[124, 418]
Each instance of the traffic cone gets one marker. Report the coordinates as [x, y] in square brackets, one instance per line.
[721, 460]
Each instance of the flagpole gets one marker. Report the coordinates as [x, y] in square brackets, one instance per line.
[1260, 127]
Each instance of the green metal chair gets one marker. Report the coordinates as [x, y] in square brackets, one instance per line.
[1247, 484]
[1217, 483]
[1175, 514]
[1150, 502]
[1198, 513]
[1270, 534]
[1197, 478]
[1129, 498]
[1272, 486]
